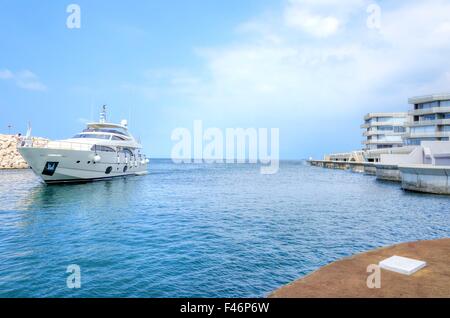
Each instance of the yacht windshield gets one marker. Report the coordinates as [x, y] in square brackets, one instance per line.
[93, 136]
[107, 130]
[117, 138]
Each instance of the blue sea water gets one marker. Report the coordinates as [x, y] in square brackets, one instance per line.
[199, 230]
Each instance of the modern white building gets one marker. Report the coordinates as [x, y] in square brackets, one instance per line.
[384, 130]
[429, 119]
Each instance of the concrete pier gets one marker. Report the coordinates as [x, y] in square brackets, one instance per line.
[348, 277]
[426, 178]
[358, 167]
[329, 164]
[370, 168]
[388, 172]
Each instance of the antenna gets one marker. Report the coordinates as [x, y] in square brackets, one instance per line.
[103, 115]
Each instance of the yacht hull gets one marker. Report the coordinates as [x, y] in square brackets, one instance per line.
[70, 166]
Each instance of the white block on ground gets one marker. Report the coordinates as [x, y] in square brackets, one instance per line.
[402, 265]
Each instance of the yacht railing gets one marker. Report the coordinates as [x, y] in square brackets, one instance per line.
[65, 145]
[68, 145]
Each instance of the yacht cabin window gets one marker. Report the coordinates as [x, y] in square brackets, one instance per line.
[93, 136]
[118, 131]
[118, 138]
[102, 148]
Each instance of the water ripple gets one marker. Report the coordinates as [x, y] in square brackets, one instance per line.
[199, 230]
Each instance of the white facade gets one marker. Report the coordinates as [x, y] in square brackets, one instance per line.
[384, 130]
[429, 119]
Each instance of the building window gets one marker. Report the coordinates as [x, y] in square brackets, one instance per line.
[392, 120]
[445, 103]
[417, 141]
[413, 142]
[424, 129]
[390, 138]
[427, 105]
[428, 117]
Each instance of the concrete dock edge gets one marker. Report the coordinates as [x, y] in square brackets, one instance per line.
[348, 277]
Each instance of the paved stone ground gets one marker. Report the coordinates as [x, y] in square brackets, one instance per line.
[347, 277]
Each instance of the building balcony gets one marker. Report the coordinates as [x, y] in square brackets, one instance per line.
[429, 98]
[381, 142]
[385, 115]
[372, 133]
[436, 134]
[428, 123]
[382, 133]
[382, 123]
[428, 111]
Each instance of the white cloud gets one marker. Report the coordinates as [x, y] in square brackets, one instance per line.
[328, 3]
[321, 18]
[6, 74]
[421, 25]
[24, 79]
[316, 25]
[274, 70]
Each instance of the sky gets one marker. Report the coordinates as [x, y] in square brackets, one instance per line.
[312, 68]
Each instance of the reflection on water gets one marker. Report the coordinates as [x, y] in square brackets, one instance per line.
[15, 185]
[22, 190]
[199, 230]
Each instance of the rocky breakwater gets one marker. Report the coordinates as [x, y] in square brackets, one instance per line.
[10, 158]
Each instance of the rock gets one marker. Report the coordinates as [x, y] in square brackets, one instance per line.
[10, 158]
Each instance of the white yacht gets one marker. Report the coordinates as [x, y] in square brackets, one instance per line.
[102, 151]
